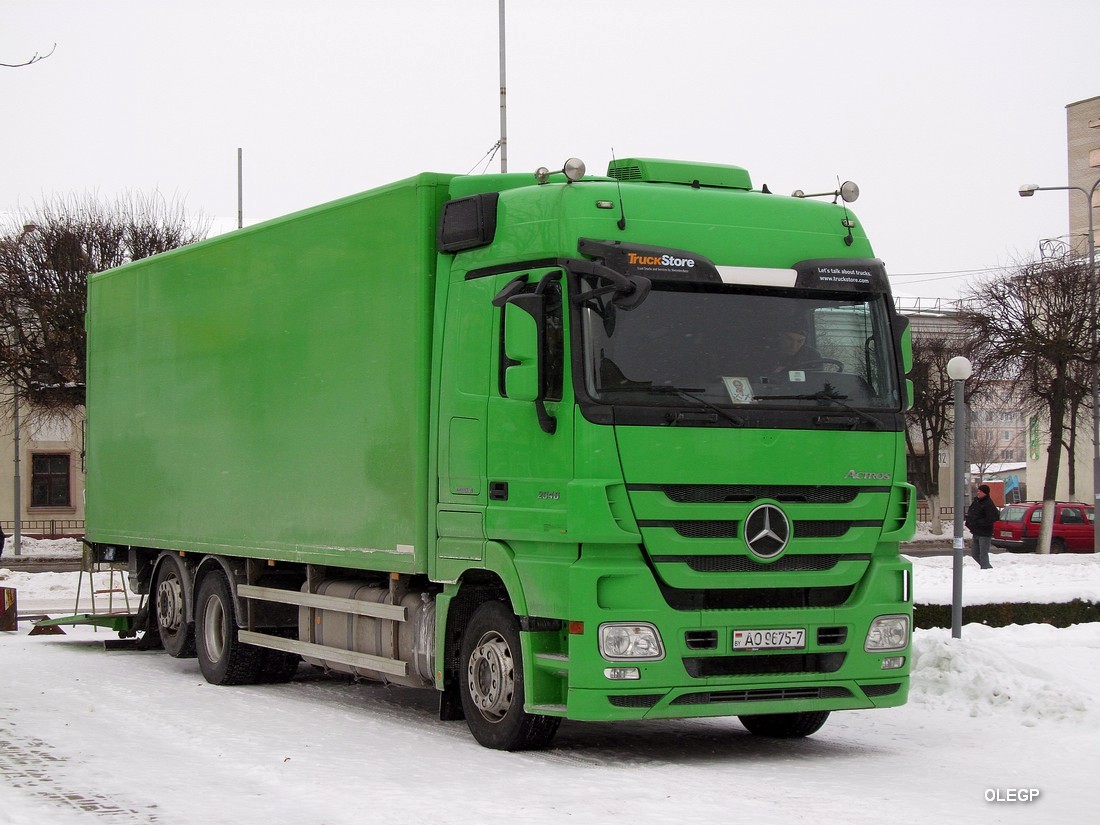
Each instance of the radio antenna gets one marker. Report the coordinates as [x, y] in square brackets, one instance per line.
[619, 185]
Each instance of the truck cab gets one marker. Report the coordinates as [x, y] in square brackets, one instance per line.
[671, 408]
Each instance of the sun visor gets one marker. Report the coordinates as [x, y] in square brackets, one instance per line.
[657, 263]
[843, 274]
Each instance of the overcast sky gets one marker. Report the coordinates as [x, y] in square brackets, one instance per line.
[938, 110]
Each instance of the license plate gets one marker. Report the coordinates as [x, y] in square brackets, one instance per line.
[789, 639]
[1006, 534]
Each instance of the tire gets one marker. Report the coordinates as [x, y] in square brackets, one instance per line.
[491, 684]
[1057, 545]
[223, 659]
[279, 667]
[785, 725]
[177, 636]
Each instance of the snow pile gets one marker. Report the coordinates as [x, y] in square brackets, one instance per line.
[924, 532]
[30, 548]
[975, 674]
[62, 587]
[1013, 578]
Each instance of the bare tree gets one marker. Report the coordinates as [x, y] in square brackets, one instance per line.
[1036, 323]
[35, 58]
[985, 450]
[45, 261]
[929, 421]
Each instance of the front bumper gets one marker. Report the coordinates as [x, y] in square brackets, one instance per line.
[832, 671]
[1024, 545]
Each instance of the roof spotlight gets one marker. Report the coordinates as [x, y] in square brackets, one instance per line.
[573, 169]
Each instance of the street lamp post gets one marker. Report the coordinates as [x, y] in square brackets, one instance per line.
[958, 370]
[1026, 191]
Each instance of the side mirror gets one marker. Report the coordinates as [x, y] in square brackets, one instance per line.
[907, 348]
[523, 315]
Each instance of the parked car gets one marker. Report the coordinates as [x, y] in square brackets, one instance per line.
[1018, 527]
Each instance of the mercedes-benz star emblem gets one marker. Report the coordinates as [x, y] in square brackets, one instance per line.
[767, 531]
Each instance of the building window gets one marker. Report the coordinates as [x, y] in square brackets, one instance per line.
[50, 480]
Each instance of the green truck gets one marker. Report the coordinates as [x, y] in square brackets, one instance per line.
[560, 447]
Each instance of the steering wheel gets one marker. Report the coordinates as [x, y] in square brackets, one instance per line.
[823, 362]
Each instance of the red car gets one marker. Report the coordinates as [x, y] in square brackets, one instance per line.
[1018, 527]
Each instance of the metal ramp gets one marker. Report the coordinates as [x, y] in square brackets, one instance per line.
[121, 619]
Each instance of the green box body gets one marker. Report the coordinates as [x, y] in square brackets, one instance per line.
[266, 393]
[327, 389]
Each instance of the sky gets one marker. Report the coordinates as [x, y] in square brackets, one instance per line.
[939, 110]
[997, 710]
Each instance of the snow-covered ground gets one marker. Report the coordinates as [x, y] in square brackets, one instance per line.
[137, 737]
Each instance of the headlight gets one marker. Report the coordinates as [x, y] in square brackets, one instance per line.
[887, 633]
[634, 642]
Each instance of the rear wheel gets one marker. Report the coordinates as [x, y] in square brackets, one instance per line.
[177, 635]
[223, 658]
[1057, 545]
[785, 725]
[491, 675]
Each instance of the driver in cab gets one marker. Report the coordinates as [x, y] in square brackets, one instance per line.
[794, 352]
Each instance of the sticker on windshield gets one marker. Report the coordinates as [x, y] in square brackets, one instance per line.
[739, 388]
[796, 376]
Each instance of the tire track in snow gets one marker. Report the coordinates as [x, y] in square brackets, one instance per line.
[33, 767]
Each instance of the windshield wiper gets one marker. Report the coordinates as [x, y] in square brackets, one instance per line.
[689, 394]
[829, 395]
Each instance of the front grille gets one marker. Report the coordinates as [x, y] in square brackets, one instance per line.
[635, 700]
[762, 695]
[715, 529]
[699, 529]
[702, 667]
[755, 598]
[747, 564]
[820, 529]
[871, 691]
[744, 493]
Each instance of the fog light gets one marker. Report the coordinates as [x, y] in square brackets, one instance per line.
[893, 662]
[639, 642]
[622, 673]
[888, 633]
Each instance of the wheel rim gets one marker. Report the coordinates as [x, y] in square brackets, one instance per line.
[213, 628]
[491, 676]
[170, 603]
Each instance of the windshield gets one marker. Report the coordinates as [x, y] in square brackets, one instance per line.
[1014, 513]
[725, 346]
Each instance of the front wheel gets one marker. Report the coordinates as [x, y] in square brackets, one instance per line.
[491, 676]
[223, 658]
[785, 725]
[177, 635]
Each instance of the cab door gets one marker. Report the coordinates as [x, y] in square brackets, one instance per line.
[530, 442]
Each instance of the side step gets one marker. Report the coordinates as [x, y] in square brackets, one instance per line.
[332, 654]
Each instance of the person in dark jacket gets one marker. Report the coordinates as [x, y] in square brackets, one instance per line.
[980, 518]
